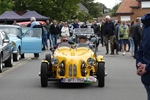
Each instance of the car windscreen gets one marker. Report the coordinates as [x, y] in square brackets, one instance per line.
[82, 45]
[10, 31]
[83, 31]
[64, 45]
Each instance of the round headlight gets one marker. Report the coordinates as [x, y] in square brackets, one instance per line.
[54, 61]
[91, 61]
[13, 44]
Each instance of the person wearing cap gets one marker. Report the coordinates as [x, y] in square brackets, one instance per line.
[109, 34]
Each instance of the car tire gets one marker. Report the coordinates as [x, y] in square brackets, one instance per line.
[9, 61]
[101, 74]
[44, 77]
[48, 58]
[16, 56]
[1, 63]
[22, 56]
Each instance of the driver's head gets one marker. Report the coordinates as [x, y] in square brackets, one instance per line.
[82, 39]
[64, 39]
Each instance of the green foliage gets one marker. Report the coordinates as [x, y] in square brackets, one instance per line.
[55, 9]
[5, 5]
[114, 9]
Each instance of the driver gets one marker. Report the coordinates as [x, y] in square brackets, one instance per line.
[64, 39]
[83, 40]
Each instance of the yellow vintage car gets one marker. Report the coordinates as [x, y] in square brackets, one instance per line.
[73, 65]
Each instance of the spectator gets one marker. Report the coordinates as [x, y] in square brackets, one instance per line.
[96, 28]
[15, 23]
[102, 33]
[47, 27]
[116, 35]
[123, 33]
[131, 39]
[44, 38]
[35, 24]
[84, 25]
[75, 24]
[109, 34]
[143, 55]
[54, 31]
[65, 30]
[136, 34]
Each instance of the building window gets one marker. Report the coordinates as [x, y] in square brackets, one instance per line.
[145, 4]
[125, 18]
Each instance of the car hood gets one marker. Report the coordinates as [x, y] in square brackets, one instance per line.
[13, 38]
[69, 53]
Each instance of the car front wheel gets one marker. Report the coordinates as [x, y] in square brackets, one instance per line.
[16, 56]
[1, 63]
[9, 61]
[44, 74]
[101, 74]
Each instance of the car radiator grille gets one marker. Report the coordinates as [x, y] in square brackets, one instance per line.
[72, 70]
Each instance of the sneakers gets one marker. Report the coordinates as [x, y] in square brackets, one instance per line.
[123, 53]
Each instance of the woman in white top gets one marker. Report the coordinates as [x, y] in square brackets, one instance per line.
[65, 30]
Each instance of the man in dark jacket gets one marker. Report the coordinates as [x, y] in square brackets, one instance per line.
[109, 33]
[136, 35]
[143, 55]
[54, 31]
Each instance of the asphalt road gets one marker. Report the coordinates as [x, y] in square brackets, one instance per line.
[22, 82]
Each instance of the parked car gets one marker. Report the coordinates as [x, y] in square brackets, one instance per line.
[24, 40]
[88, 32]
[6, 53]
[73, 65]
[25, 24]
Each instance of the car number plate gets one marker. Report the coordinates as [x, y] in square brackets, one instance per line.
[72, 80]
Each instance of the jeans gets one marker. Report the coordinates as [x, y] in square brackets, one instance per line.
[136, 45]
[147, 87]
[50, 41]
[131, 45]
[54, 39]
[44, 40]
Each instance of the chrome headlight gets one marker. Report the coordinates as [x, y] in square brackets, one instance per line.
[13, 44]
[88, 36]
[54, 61]
[90, 61]
[73, 36]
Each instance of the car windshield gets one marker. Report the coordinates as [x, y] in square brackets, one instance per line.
[82, 45]
[24, 29]
[10, 30]
[64, 45]
[83, 31]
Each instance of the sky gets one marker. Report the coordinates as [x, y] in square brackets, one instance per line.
[108, 3]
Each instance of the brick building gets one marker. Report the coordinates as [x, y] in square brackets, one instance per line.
[130, 10]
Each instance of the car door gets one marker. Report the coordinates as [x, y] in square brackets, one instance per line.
[31, 40]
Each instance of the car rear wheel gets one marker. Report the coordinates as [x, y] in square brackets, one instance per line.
[44, 74]
[101, 74]
[9, 61]
[1, 64]
[16, 56]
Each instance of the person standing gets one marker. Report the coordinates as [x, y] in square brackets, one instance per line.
[143, 55]
[35, 24]
[116, 37]
[131, 39]
[65, 30]
[109, 34]
[136, 34]
[84, 25]
[54, 31]
[47, 27]
[123, 33]
[75, 24]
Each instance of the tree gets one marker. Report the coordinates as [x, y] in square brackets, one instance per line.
[55, 9]
[114, 9]
[5, 5]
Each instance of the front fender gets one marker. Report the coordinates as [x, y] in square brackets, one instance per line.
[100, 58]
[45, 61]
